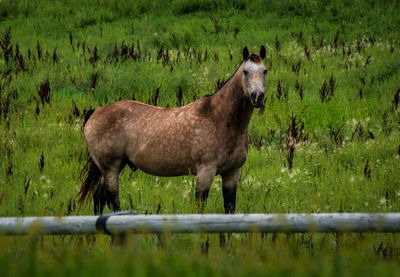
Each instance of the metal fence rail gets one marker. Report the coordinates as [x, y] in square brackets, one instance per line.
[202, 223]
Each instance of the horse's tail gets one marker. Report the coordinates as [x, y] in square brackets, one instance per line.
[90, 175]
[87, 116]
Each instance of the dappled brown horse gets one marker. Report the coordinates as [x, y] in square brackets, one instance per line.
[206, 137]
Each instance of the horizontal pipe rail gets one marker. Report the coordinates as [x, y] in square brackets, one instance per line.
[202, 223]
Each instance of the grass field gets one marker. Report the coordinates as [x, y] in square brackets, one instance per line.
[333, 93]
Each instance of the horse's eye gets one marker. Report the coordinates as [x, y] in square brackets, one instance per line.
[265, 71]
[245, 72]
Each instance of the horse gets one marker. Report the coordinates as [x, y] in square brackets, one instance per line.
[207, 137]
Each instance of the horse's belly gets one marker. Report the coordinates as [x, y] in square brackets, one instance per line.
[162, 163]
[166, 170]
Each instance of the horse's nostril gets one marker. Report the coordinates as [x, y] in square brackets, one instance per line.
[257, 98]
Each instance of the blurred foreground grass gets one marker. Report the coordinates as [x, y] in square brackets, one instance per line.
[202, 255]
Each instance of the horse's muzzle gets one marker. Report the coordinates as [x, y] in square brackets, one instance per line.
[257, 99]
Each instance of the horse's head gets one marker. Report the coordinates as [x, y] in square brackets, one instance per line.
[254, 73]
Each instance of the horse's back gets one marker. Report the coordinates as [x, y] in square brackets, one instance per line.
[116, 116]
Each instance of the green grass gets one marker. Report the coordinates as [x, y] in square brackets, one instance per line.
[360, 125]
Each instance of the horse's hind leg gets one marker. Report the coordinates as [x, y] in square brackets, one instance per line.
[229, 187]
[107, 193]
[99, 198]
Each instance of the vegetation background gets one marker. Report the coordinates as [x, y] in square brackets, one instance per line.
[326, 141]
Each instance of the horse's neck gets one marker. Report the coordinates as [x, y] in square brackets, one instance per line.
[232, 106]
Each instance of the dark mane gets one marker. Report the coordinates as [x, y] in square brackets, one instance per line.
[218, 89]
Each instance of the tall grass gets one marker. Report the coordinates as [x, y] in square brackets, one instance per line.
[326, 141]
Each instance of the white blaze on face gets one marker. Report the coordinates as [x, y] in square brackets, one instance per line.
[254, 77]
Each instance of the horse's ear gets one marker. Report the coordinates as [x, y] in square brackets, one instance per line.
[245, 53]
[263, 52]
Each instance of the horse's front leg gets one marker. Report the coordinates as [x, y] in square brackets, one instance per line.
[204, 177]
[230, 181]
